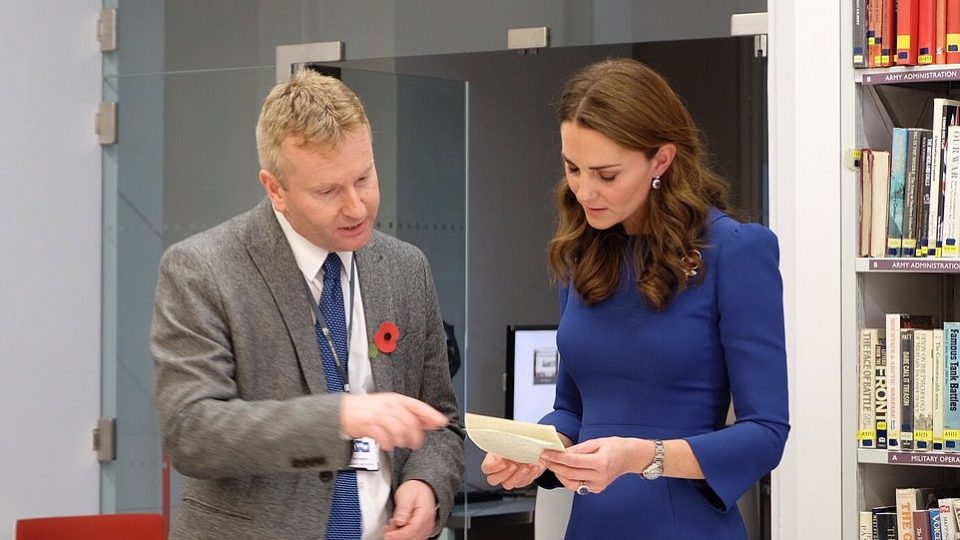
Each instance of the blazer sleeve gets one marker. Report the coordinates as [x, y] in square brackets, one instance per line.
[207, 429]
[750, 309]
[439, 462]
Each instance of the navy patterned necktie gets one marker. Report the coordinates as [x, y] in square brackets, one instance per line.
[345, 521]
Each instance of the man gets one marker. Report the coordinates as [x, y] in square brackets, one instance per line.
[293, 340]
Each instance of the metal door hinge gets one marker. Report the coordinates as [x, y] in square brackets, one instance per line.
[760, 46]
[107, 30]
[530, 40]
[105, 439]
[105, 123]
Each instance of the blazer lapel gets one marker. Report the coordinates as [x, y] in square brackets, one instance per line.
[377, 309]
[271, 254]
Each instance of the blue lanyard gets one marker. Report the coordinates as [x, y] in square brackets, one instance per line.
[325, 330]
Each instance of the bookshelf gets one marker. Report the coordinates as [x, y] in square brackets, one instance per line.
[879, 100]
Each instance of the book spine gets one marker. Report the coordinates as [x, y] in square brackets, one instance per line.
[953, 31]
[926, 31]
[898, 176]
[911, 187]
[940, 55]
[859, 33]
[867, 434]
[948, 523]
[951, 360]
[922, 390]
[880, 199]
[950, 223]
[935, 530]
[888, 44]
[942, 114]
[907, 21]
[865, 204]
[893, 380]
[921, 525]
[923, 197]
[906, 503]
[880, 405]
[937, 372]
[906, 389]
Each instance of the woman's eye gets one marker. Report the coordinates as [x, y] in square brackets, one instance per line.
[572, 170]
[608, 178]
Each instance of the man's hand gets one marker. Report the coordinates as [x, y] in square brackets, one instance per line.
[393, 420]
[414, 513]
[508, 472]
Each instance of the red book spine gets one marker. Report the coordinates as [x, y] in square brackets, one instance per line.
[908, 19]
[888, 41]
[953, 31]
[940, 53]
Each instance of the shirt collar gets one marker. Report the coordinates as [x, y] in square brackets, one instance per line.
[309, 256]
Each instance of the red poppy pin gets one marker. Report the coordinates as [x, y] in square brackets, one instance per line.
[386, 337]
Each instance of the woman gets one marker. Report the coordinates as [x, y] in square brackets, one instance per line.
[669, 308]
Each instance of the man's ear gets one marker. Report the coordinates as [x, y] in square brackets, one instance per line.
[271, 184]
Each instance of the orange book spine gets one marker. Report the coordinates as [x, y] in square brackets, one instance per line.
[940, 52]
[874, 22]
[953, 31]
[908, 19]
[887, 36]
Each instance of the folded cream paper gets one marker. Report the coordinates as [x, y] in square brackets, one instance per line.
[520, 441]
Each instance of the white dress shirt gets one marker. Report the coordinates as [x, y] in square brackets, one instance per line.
[373, 486]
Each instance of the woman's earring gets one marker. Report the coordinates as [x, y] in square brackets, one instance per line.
[655, 183]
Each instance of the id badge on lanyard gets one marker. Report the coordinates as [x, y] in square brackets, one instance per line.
[366, 454]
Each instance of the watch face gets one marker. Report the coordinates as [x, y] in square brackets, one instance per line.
[652, 472]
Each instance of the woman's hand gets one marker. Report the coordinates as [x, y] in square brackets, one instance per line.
[598, 462]
[509, 473]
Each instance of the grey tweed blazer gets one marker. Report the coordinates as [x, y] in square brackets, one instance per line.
[240, 392]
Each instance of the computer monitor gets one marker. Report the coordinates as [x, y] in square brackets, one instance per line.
[533, 363]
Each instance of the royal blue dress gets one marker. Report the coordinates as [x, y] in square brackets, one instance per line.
[628, 370]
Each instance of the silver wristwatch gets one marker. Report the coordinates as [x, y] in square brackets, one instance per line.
[655, 469]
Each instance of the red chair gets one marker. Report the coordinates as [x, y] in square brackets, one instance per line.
[98, 527]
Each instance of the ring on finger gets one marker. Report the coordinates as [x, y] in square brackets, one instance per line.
[583, 488]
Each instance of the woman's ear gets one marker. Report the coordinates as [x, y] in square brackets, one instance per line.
[663, 158]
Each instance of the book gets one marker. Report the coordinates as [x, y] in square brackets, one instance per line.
[953, 31]
[907, 28]
[884, 522]
[867, 430]
[865, 202]
[906, 389]
[916, 148]
[922, 389]
[880, 195]
[950, 220]
[951, 361]
[866, 525]
[921, 525]
[923, 196]
[926, 31]
[859, 33]
[899, 152]
[938, 374]
[944, 116]
[940, 54]
[935, 529]
[520, 441]
[888, 44]
[948, 521]
[880, 405]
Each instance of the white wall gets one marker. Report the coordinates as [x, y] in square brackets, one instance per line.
[805, 166]
[50, 253]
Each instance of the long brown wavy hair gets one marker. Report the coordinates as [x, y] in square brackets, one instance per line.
[632, 105]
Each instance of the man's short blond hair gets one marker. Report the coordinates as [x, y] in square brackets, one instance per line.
[318, 109]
